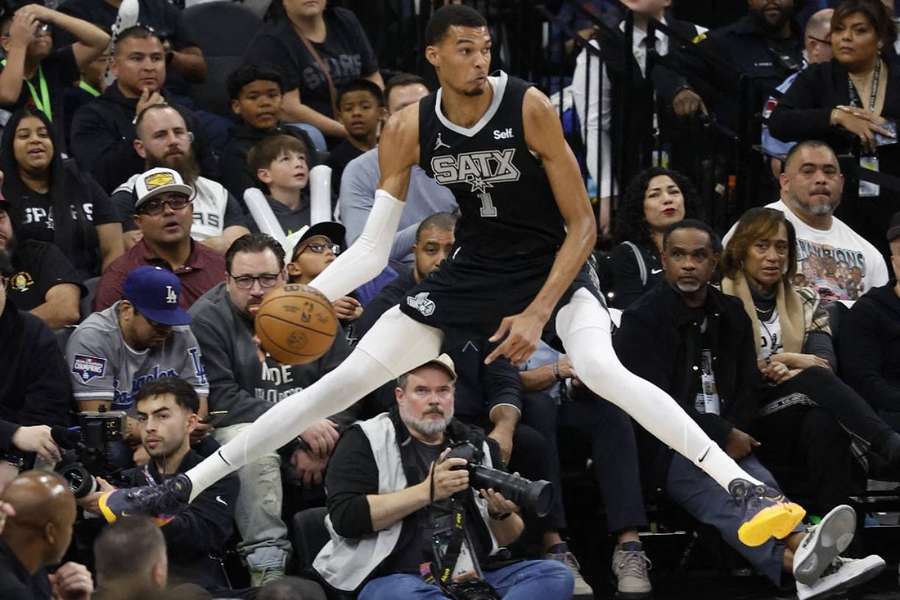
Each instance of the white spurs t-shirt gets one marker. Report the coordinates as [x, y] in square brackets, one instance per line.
[838, 263]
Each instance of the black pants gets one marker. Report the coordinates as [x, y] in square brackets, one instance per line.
[840, 400]
[613, 450]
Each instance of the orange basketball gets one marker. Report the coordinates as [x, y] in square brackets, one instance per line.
[296, 324]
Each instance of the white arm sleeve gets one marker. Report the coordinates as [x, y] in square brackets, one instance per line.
[368, 255]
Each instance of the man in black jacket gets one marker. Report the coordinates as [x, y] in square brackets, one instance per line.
[697, 345]
[34, 384]
[869, 341]
[103, 130]
[167, 413]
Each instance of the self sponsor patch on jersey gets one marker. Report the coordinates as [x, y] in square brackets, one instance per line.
[88, 367]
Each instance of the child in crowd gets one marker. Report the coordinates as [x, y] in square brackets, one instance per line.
[256, 96]
[361, 110]
[280, 164]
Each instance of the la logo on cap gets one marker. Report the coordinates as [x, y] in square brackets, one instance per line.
[171, 296]
[158, 180]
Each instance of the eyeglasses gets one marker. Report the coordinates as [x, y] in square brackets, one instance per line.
[820, 40]
[157, 205]
[266, 280]
[319, 248]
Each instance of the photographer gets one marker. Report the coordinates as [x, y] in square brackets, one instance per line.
[167, 414]
[391, 488]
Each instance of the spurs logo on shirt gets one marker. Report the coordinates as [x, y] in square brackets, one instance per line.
[479, 169]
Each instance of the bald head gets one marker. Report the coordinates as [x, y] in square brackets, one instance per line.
[45, 513]
[817, 36]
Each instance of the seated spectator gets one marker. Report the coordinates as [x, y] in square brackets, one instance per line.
[315, 250]
[869, 341]
[805, 407]
[40, 185]
[34, 389]
[832, 259]
[37, 537]
[281, 165]
[433, 243]
[183, 56]
[390, 484]
[319, 49]
[361, 177]
[33, 74]
[103, 131]
[147, 567]
[142, 337]
[164, 216]
[244, 385]
[698, 345]
[42, 281]
[291, 588]
[655, 199]
[90, 85]
[163, 140]
[167, 416]
[851, 100]
[256, 94]
[361, 111]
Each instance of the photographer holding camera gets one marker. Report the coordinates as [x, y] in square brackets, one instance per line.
[408, 515]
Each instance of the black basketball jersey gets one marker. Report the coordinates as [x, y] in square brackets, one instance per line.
[506, 204]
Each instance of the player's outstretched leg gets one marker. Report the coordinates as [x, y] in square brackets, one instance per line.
[584, 328]
[394, 345]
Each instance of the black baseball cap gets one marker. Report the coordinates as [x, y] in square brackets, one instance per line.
[154, 293]
[893, 231]
[333, 231]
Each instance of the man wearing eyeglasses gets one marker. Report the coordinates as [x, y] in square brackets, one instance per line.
[244, 385]
[164, 215]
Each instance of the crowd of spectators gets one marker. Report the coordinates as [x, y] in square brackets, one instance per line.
[133, 262]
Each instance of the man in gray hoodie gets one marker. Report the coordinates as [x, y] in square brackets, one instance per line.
[244, 384]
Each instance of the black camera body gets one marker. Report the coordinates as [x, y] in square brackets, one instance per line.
[533, 496]
[90, 456]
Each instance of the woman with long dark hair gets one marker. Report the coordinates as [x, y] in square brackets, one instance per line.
[852, 102]
[654, 199]
[50, 200]
[806, 410]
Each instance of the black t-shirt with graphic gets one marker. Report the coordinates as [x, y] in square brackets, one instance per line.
[37, 267]
[37, 220]
[346, 51]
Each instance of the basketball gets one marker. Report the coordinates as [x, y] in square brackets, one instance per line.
[295, 324]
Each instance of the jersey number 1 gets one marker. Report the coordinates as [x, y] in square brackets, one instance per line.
[487, 205]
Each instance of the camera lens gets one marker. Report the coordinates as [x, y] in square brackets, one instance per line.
[81, 482]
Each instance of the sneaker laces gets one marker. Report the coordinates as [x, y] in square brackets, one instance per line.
[633, 563]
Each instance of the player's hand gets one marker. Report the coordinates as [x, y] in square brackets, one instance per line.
[447, 479]
[308, 467]
[347, 308]
[37, 439]
[148, 98]
[71, 581]
[520, 334]
[321, 438]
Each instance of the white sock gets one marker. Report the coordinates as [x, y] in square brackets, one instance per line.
[394, 345]
[584, 328]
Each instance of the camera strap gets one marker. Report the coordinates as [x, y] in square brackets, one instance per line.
[444, 564]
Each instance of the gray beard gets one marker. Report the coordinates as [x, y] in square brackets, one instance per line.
[426, 427]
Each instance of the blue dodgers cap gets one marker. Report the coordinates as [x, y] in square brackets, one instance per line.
[154, 293]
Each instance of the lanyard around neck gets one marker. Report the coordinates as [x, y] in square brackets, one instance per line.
[873, 93]
[84, 85]
[42, 103]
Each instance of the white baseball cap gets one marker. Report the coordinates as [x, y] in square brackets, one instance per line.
[158, 181]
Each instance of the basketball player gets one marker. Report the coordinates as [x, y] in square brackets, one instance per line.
[518, 272]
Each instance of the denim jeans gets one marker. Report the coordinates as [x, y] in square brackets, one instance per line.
[526, 580]
[264, 540]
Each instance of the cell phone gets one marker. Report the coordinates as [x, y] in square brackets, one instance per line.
[883, 140]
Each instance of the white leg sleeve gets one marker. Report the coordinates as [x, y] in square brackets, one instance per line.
[394, 345]
[368, 255]
[584, 328]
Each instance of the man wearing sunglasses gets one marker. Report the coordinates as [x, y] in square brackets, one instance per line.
[164, 215]
[243, 387]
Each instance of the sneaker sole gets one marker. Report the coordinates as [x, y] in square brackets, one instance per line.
[773, 521]
[828, 541]
[856, 580]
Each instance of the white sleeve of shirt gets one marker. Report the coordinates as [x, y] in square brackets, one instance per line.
[594, 108]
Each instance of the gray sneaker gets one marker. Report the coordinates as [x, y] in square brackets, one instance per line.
[582, 589]
[630, 567]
